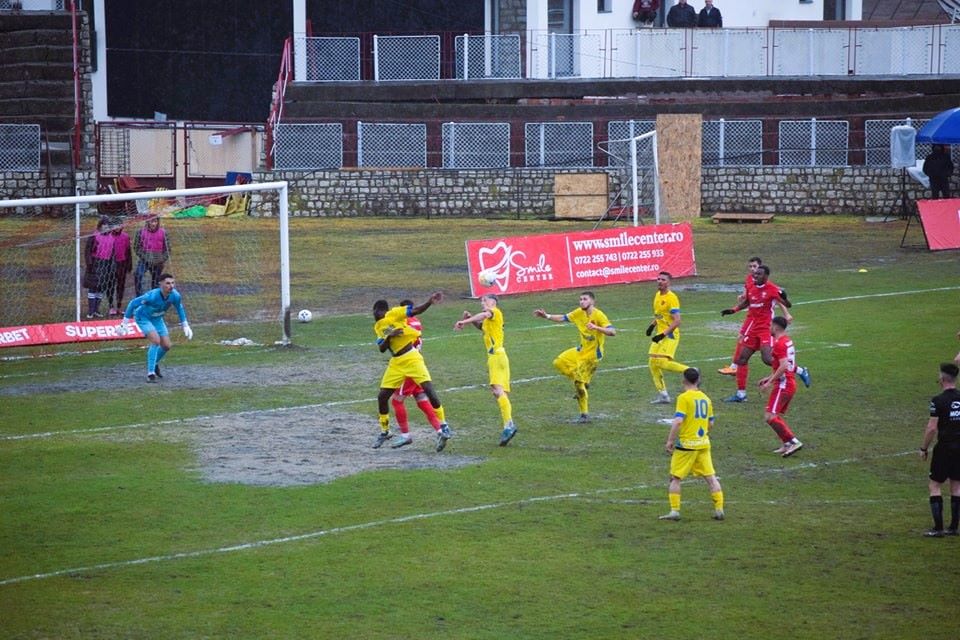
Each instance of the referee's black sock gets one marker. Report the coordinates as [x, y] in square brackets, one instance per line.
[954, 512]
[936, 509]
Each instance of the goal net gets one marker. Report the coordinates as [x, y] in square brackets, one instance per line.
[634, 165]
[231, 263]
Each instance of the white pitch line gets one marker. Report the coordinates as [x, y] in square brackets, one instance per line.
[324, 405]
[246, 546]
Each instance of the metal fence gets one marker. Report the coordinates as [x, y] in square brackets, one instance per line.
[558, 144]
[136, 149]
[309, 146]
[732, 143]
[391, 144]
[637, 53]
[476, 145]
[814, 143]
[19, 147]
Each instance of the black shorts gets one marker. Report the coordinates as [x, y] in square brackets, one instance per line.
[945, 462]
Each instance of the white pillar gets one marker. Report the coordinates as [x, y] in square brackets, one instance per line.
[299, 44]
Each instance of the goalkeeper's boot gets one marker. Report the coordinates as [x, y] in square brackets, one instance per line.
[443, 435]
[508, 432]
[934, 533]
[673, 515]
[736, 398]
[156, 371]
[804, 374]
[402, 442]
[151, 377]
[383, 437]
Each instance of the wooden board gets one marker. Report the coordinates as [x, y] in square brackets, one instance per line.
[762, 218]
[679, 151]
[580, 195]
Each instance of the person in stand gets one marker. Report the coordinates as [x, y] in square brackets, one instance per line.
[783, 385]
[709, 16]
[411, 389]
[580, 363]
[939, 167]
[152, 246]
[944, 425]
[98, 257]
[148, 311]
[682, 16]
[664, 334]
[490, 321]
[645, 11]
[395, 335]
[122, 266]
[688, 444]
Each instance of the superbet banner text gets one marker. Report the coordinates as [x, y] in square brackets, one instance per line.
[61, 332]
[586, 259]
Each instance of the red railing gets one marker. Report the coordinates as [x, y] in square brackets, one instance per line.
[284, 78]
[77, 94]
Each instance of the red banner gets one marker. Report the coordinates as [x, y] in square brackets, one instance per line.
[941, 223]
[61, 332]
[522, 264]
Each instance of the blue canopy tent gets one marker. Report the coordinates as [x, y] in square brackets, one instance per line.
[943, 128]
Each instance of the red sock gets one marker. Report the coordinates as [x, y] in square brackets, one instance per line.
[428, 411]
[783, 431]
[743, 371]
[400, 411]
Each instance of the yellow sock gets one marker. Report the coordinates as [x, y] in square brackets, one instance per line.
[717, 500]
[441, 414]
[384, 422]
[583, 397]
[657, 374]
[674, 501]
[669, 365]
[506, 409]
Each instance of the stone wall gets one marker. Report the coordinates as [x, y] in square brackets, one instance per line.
[18, 185]
[530, 192]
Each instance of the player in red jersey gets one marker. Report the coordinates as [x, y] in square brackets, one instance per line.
[760, 297]
[411, 389]
[752, 264]
[782, 384]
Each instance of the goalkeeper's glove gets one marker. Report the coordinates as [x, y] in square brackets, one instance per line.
[653, 325]
[783, 297]
[124, 328]
[658, 337]
[728, 312]
[187, 331]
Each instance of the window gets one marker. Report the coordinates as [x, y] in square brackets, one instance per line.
[604, 6]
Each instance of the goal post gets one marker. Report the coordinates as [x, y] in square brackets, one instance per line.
[230, 268]
[635, 166]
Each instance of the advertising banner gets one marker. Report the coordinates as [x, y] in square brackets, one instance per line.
[62, 332]
[523, 264]
[941, 223]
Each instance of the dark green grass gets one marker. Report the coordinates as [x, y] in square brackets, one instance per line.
[556, 535]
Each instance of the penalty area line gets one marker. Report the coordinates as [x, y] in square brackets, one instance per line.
[373, 524]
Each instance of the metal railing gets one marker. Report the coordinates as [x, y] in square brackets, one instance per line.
[637, 53]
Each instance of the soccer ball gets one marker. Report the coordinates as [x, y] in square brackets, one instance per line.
[305, 315]
[487, 278]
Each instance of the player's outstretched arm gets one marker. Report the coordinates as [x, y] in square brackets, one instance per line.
[552, 317]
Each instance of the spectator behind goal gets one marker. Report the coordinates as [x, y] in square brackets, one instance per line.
[152, 246]
[709, 16]
[682, 16]
[645, 11]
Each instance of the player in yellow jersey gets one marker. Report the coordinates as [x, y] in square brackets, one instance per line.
[689, 444]
[394, 334]
[665, 336]
[490, 320]
[580, 363]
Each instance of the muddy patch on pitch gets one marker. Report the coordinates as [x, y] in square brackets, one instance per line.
[302, 446]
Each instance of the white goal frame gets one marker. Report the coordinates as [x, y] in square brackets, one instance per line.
[635, 177]
[283, 215]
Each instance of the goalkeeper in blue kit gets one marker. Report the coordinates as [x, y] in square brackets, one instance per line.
[147, 311]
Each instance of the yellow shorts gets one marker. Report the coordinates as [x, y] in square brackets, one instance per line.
[666, 347]
[696, 461]
[579, 366]
[409, 365]
[499, 366]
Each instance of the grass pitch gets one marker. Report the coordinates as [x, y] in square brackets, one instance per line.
[113, 526]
